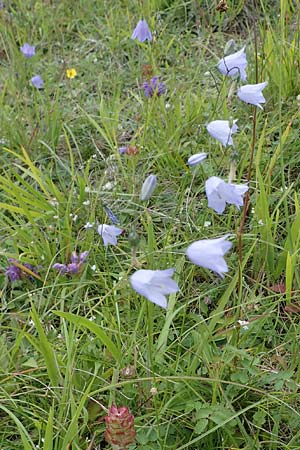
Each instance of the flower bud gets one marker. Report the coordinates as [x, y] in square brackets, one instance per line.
[148, 187]
[196, 159]
[229, 47]
[119, 427]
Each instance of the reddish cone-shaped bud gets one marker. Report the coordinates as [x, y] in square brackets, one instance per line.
[119, 427]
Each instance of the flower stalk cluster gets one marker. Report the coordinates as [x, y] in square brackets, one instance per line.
[74, 266]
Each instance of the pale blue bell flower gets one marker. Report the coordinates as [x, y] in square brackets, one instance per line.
[209, 253]
[154, 285]
[222, 131]
[196, 159]
[37, 81]
[148, 187]
[109, 234]
[142, 32]
[233, 64]
[219, 193]
[252, 93]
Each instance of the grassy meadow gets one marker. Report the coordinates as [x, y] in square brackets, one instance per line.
[219, 368]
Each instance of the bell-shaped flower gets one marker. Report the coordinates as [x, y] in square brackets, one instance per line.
[148, 187]
[222, 131]
[142, 32]
[219, 193]
[233, 64]
[196, 159]
[37, 81]
[209, 253]
[252, 93]
[28, 50]
[109, 234]
[154, 285]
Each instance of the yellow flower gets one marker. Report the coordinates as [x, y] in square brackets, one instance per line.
[71, 73]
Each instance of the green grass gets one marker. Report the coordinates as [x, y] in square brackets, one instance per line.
[193, 376]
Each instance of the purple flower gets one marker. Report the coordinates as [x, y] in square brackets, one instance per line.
[37, 81]
[122, 150]
[28, 50]
[142, 32]
[154, 87]
[14, 273]
[74, 266]
[62, 268]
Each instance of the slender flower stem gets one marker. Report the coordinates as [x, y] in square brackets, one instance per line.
[247, 196]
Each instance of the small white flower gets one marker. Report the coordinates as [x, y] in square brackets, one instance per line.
[94, 267]
[221, 130]
[87, 189]
[219, 193]
[207, 224]
[108, 186]
[252, 93]
[154, 285]
[209, 253]
[109, 234]
[244, 324]
[88, 225]
[86, 203]
[235, 63]
[75, 217]
[196, 159]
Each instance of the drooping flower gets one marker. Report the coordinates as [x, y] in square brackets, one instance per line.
[37, 81]
[71, 73]
[219, 193]
[74, 266]
[154, 285]
[209, 253]
[142, 32]
[154, 87]
[17, 270]
[28, 50]
[119, 430]
[109, 234]
[233, 64]
[222, 131]
[148, 187]
[196, 159]
[252, 93]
